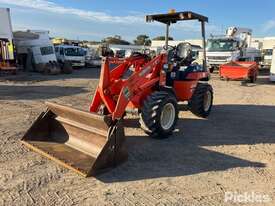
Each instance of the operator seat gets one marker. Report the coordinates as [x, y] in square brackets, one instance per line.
[184, 58]
[183, 54]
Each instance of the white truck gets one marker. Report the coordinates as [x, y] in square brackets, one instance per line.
[267, 51]
[272, 69]
[266, 58]
[37, 44]
[92, 57]
[234, 46]
[73, 54]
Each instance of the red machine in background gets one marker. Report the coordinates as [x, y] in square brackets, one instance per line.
[240, 71]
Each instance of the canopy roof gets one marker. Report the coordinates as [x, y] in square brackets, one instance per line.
[172, 18]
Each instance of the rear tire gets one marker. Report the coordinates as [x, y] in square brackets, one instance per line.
[211, 69]
[159, 114]
[202, 100]
[253, 78]
[67, 67]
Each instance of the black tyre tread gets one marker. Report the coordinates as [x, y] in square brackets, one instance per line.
[253, 79]
[197, 101]
[152, 105]
[211, 70]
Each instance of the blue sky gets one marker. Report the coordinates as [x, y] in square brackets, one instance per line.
[96, 19]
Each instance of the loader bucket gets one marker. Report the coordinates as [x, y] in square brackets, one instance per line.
[84, 142]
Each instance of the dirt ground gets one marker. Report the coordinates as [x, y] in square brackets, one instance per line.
[231, 151]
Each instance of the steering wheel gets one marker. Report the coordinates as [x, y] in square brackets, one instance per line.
[146, 51]
[169, 47]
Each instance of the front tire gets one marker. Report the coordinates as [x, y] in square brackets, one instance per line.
[159, 114]
[202, 100]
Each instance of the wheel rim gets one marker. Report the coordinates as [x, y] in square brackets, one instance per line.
[207, 100]
[167, 117]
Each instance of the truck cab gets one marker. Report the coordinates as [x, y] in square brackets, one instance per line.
[34, 44]
[235, 45]
[43, 54]
[74, 54]
[267, 58]
[222, 50]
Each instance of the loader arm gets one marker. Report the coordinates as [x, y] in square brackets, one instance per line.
[110, 81]
[124, 64]
[138, 85]
[116, 93]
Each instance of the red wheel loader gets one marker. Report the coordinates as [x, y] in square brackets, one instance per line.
[92, 142]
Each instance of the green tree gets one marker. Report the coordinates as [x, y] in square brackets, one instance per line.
[115, 40]
[142, 40]
[162, 38]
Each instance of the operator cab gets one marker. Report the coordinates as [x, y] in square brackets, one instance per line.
[181, 54]
[181, 63]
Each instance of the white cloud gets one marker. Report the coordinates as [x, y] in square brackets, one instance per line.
[50, 6]
[134, 17]
[269, 25]
[130, 25]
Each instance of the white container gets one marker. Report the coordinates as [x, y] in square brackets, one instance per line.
[5, 24]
